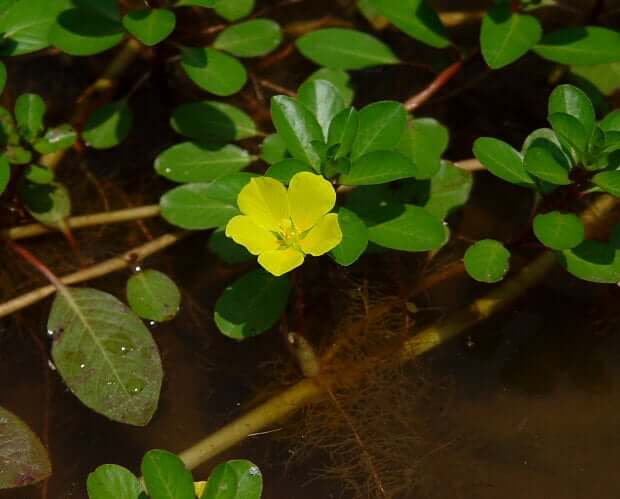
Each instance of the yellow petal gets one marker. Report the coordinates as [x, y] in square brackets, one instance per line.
[199, 488]
[243, 230]
[264, 200]
[281, 261]
[310, 197]
[323, 237]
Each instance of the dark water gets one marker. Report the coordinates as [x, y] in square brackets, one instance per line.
[526, 405]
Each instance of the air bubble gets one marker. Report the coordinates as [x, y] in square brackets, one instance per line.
[137, 269]
[135, 386]
[254, 471]
[82, 366]
[51, 365]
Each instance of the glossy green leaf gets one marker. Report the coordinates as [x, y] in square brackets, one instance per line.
[337, 77]
[250, 38]
[416, 18]
[559, 231]
[273, 149]
[84, 31]
[506, 36]
[580, 45]
[545, 160]
[25, 25]
[55, 139]
[237, 479]
[198, 3]
[593, 261]
[105, 355]
[212, 122]
[213, 71]
[24, 459]
[5, 173]
[111, 481]
[29, 112]
[108, 126]
[285, 170]
[194, 162]
[502, 160]
[573, 101]
[3, 76]
[204, 205]
[340, 48]
[150, 26]
[378, 167]
[354, 238]
[604, 77]
[611, 122]
[166, 477]
[381, 126]
[39, 174]
[608, 181]
[227, 249]
[324, 101]
[342, 132]
[570, 131]
[298, 128]
[252, 304]
[49, 204]
[487, 261]
[424, 142]
[152, 295]
[108, 9]
[448, 190]
[233, 10]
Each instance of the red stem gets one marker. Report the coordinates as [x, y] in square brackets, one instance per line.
[440, 80]
[36, 263]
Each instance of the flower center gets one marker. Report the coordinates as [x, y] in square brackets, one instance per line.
[288, 235]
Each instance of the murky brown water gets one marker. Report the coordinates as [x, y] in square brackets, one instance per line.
[525, 406]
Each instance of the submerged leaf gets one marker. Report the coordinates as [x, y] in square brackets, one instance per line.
[166, 477]
[153, 295]
[236, 479]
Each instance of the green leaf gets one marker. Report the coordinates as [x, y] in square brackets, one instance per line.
[506, 36]
[29, 112]
[559, 231]
[424, 142]
[487, 261]
[204, 205]
[285, 170]
[339, 79]
[378, 167]
[233, 10]
[105, 8]
[49, 204]
[152, 295]
[212, 122]
[354, 238]
[573, 101]
[604, 77]
[3, 76]
[213, 71]
[545, 160]
[298, 128]
[608, 181]
[250, 38]
[342, 132]
[340, 48]
[25, 25]
[55, 139]
[5, 173]
[580, 45]
[502, 160]
[324, 101]
[197, 3]
[105, 355]
[39, 174]
[593, 261]
[108, 126]
[237, 479]
[570, 131]
[193, 162]
[449, 189]
[150, 26]
[251, 305]
[227, 249]
[18, 155]
[166, 477]
[24, 459]
[111, 481]
[416, 18]
[273, 149]
[381, 125]
[611, 122]
[84, 31]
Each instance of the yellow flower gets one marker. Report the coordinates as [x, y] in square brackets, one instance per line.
[281, 226]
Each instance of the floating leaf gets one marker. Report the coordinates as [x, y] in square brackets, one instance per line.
[193, 162]
[337, 77]
[340, 48]
[580, 45]
[49, 204]
[150, 26]
[250, 38]
[153, 295]
[416, 18]
[55, 139]
[24, 459]
[109, 125]
[166, 477]
[559, 231]
[502, 160]
[252, 304]
[381, 125]
[111, 481]
[237, 479]
[593, 261]
[424, 142]
[233, 10]
[29, 112]
[324, 101]
[213, 71]
[273, 149]
[285, 170]
[487, 261]
[354, 238]
[105, 355]
[505, 36]
[608, 181]
[212, 122]
[378, 167]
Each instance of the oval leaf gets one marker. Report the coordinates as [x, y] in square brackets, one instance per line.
[487, 261]
[250, 38]
[575, 102]
[213, 71]
[49, 204]
[324, 101]
[153, 295]
[545, 160]
[608, 181]
[424, 142]
[285, 170]
[29, 112]
[339, 79]
[381, 126]
[502, 160]
[111, 481]
[559, 231]
[150, 26]
[166, 477]
[378, 167]
[5, 173]
[593, 261]
[342, 132]
[354, 238]
[233, 10]
[108, 126]
[237, 479]
[273, 149]
[580, 45]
